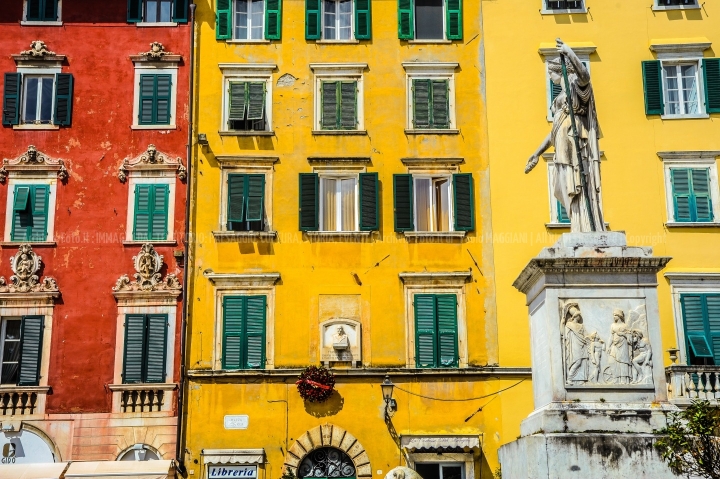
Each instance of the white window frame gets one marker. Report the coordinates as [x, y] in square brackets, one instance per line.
[691, 159]
[151, 177]
[443, 39]
[682, 53]
[352, 24]
[235, 26]
[38, 105]
[430, 71]
[41, 70]
[338, 72]
[3, 327]
[40, 178]
[546, 11]
[248, 166]
[56, 23]
[146, 68]
[700, 88]
[657, 7]
[145, 23]
[583, 52]
[451, 205]
[246, 72]
[321, 201]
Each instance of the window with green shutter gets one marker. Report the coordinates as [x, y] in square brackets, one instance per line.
[692, 197]
[155, 99]
[41, 11]
[436, 331]
[246, 106]
[150, 221]
[430, 19]
[248, 19]
[701, 321]
[244, 325]
[245, 202]
[30, 213]
[431, 104]
[339, 105]
[309, 204]
[21, 346]
[145, 353]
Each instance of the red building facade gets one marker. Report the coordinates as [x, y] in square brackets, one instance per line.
[92, 206]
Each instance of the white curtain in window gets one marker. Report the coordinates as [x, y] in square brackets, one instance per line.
[329, 216]
[690, 88]
[423, 205]
[442, 204]
[347, 186]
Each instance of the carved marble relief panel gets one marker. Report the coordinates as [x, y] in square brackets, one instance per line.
[605, 343]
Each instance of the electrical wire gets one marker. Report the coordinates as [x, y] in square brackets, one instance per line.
[458, 400]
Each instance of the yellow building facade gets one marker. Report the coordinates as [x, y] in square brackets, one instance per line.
[339, 209]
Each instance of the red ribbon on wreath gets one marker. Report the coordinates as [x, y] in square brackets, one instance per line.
[315, 384]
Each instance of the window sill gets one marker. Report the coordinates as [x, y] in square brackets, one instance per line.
[660, 8]
[432, 131]
[35, 23]
[557, 226]
[338, 234]
[156, 24]
[439, 41]
[24, 389]
[565, 11]
[143, 386]
[330, 42]
[247, 133]
[156, 243]
[709, 224]
[30, 126]
[153, 127]
[238, 40]
[434, 235]
[340, 132]
[243, 236]
[34, 244]
[683, 117]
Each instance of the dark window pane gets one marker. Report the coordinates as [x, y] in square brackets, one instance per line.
[451, 472]
[429, 19]
[248, 125]
[151, 9]
[165, 7]
[31, 99]
[46, 100]
[428, 471]
[564, 4]
[12, 330]
[676, 2]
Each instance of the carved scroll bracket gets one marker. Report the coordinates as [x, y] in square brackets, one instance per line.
[26, 265]
[147, 275]
[38, 52]
[151, 160]
[33, 160]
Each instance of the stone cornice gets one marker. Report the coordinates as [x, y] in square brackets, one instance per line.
[238, 160]
[693, 46]
[436, 278]
[688, 155]
[366, 372]
[33, 161]
[151, 160]
[242, 279]
[321, 160]
[432, 162]
[580, 49]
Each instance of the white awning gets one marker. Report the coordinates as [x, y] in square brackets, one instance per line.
[122, 470]
[233, 456]
[50, 470]
[439, 443]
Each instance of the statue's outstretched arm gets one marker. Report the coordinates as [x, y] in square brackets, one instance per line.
[533, 160]
[582, 73]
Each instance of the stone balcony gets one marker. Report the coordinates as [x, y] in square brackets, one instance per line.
[688, 383]
[142, 398]
[22, 400]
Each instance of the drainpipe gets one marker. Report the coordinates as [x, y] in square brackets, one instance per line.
[180, 439]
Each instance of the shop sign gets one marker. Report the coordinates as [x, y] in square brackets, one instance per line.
[237, 422]
[244, 472]
[23, 447]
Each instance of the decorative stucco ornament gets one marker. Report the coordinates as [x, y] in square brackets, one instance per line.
[147, 277]
[33, 159]
[26, 264]
[38, 49]
[574, 135]
[151, 159]
[156, 52]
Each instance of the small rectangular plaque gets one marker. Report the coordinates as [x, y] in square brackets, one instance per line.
[245, 472]
[237, 422]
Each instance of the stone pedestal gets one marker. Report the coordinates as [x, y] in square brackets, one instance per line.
[598, 376]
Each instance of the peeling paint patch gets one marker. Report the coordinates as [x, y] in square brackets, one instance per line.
[286, 80]
[106, 145]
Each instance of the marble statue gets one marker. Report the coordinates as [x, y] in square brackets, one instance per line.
[340, 338]
[576, 182]
[577, 353]
[619, 348]
[597, 346]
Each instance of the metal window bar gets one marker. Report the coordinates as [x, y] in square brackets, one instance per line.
[565, 4]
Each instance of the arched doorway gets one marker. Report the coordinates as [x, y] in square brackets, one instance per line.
[325, 463]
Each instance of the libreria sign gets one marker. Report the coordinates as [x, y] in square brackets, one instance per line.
[246, 472]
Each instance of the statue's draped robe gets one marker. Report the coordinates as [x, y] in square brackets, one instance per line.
[567, 181]
[620, 355]
[576, 352]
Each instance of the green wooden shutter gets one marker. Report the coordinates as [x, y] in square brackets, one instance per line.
[134, 11]
[682, 194]
[255, 197]
[11, 99]
[223, 19]
[146, 114]
[31, 350]
[309, 204]
[555, 90]
[454, 19]
[652, 82]
[143, 213]
[273, 19]
[180, 11]
[369, 201]
[464, 201]
[425, 331]
[712, 309]
[403, 202]
[348, 105]
[697, 333]
[701, 194]
[22, 196]
[237, 101]
[63, 99]
[562, 214]
[256, 100]
[34, 10]
[159, 212]
[330, 103]
[39, 202]
[363, 20]
[406, 19]
[233, 319]
[421, 103]
[255, 332]
[446, 305]
[22, 213]
[134, 354]
[711, 77]
[440, 104]
[313, 25]
[163, 95]
[156, 348]
[236, 199]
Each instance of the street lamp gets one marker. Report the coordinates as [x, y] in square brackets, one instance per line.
[387, 390]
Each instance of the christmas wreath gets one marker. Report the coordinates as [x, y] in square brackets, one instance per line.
[316, 384]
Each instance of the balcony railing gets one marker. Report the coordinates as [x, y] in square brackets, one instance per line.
[686, 383]
[22, 401]
[142, 398]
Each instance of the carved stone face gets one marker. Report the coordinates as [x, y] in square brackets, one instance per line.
[340, 331]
